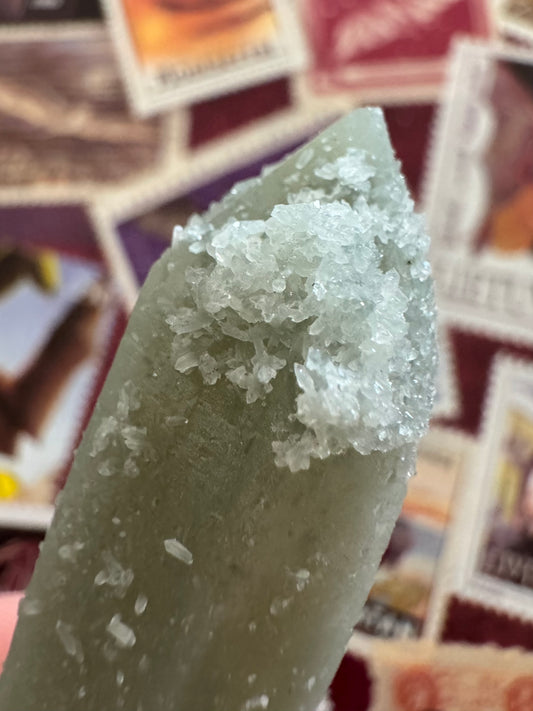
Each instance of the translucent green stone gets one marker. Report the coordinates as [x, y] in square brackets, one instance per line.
[221, 527]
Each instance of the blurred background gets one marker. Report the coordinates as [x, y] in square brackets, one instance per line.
[120, 119]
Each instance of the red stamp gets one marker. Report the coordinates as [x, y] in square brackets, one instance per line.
[416, 690]
[385, 48]
[418, 676]
[519, 694]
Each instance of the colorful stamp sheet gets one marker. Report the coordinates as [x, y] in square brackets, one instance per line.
[419, 676]
[64, 120]
[405, 598]
[177, 51]
[59, 321]
[494, 556]
[385, 50]
[479, 197]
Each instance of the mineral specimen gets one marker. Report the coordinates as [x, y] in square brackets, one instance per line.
[248, 456]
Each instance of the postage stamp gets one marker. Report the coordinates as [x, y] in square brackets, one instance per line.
[65, 124]
[404, 601]
[379, 50]
[174, 52]
[23, 11]
[420, 676]
[494, 553]
[479, 190]
[515, 18]
[59, 316]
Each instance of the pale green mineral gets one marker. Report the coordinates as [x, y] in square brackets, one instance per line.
[248, 456]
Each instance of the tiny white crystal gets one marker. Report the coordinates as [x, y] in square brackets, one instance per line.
[177, 550]
[257, 702]
[70, 643]
[68, 551]
[123, 635]
[29, 606]
[114, 575]
[140, 604]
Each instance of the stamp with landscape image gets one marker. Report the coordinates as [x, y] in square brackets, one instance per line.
[479, 190]
[494, 557]
[174, 52]
[59, 319]
[405, 600]
[65, 125]
[515, 18]
[383, 51]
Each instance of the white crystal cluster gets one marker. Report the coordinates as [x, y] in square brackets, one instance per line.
[334, 284]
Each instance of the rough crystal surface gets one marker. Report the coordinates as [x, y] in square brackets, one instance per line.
[334, 282]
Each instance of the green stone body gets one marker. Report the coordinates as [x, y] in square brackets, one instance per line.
[282, 562]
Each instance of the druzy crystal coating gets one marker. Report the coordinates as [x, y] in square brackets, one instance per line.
[335, 284]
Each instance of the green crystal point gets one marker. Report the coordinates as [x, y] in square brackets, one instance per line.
[248, 456]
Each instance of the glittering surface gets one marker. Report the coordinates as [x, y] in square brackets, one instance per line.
[334, 284]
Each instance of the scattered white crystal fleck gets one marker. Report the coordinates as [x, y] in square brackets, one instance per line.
[325, 705]
[105, 431]
[140, 604]
[311, 682]
[279, 605]
[68, 551]
[131, 468]
[123, 635]
[177, 550]
[128, 399]
[105, 469]
[114, 575]
[30, 606]
[341, 273]
[71, 644]
[257, 702]
[302, 578]
[252, 678]
[134, 437]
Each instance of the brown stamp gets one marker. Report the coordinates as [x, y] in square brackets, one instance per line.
[64, 119]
